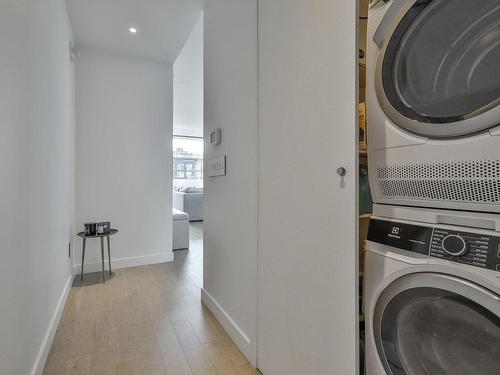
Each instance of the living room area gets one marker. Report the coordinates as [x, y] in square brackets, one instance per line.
[187, 158]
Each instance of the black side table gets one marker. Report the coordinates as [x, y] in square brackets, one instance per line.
[101, 236]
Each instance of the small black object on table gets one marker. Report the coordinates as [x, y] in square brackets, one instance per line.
[101, 236]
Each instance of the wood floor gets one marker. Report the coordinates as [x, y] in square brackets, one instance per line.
[145, 321]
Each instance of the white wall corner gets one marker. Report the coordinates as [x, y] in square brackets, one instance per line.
[239, 337]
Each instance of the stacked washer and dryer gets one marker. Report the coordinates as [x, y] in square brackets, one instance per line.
[432, 267]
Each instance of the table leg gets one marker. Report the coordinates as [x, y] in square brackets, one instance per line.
[83, 256]
[109, 257]
[102, 258]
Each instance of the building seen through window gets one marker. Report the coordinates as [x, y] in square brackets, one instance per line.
[187, 162]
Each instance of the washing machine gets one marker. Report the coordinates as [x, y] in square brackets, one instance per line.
[432, 294]
[433, 95]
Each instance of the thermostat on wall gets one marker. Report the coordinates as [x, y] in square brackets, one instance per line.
[215, 137]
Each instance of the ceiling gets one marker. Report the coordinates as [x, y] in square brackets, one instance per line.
[163, 26]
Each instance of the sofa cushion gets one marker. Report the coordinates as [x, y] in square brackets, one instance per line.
[179, 215]
[192, 190]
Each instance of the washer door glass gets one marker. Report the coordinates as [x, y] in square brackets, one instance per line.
[442, 62]
[433, 331]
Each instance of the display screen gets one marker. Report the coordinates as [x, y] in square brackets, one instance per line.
[413, 238]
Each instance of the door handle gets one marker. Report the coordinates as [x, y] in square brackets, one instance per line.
[341, 171]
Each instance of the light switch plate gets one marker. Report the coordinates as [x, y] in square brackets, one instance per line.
[217, 166]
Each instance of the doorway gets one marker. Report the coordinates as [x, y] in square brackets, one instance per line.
[188, 156]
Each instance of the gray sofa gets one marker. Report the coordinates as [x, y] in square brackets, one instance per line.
[190, 201]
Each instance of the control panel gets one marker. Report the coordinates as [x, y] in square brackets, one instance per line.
[469, 248]
[474, 249]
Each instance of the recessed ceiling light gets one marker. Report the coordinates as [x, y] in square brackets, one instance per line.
[132, 30]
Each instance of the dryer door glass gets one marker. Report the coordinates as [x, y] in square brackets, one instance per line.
[442, 62]
[434, 331]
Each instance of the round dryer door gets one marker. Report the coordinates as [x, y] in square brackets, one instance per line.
[434, 324]
[438, 73]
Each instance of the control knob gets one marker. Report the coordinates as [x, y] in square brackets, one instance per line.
[455, 245]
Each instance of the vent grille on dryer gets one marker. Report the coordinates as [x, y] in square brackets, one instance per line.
[474, 181]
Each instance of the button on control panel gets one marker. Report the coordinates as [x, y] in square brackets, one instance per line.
[468, 248]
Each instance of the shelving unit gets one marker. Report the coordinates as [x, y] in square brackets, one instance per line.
[364, 218]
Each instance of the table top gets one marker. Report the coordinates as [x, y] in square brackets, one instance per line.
[111, 232]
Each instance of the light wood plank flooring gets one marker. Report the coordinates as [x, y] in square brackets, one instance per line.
[144, 321]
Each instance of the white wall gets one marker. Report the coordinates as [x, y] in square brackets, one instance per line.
[124, 156]
[230, 228]
[37, 178]
[188, 85]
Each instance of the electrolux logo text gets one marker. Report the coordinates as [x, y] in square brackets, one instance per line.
[395, 233]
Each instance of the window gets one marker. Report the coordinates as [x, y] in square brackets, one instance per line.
[187, 162]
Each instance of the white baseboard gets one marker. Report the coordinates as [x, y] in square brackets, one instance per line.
[239, 337]
[44, 351]
[125, 262]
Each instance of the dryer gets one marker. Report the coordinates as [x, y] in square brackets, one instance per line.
[432, 299]
[433, 95]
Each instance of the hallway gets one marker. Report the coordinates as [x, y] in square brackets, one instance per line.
[145, 320]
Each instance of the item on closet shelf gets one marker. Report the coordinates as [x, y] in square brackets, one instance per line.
[365, 198]
[364, 222]
[362, 126]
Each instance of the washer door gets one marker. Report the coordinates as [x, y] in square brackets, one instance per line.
[435, 324]
[438, 73]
